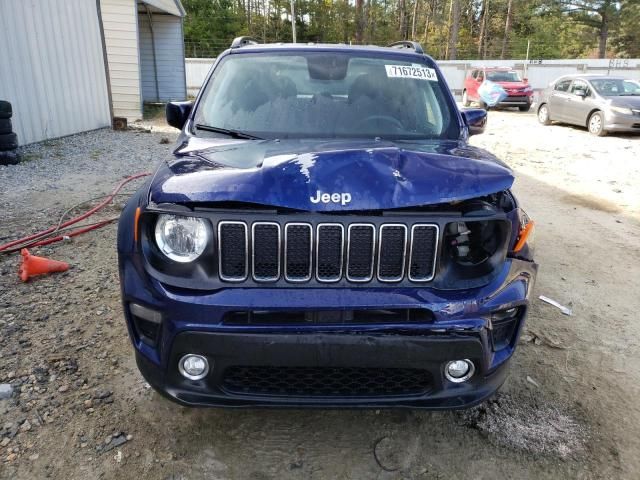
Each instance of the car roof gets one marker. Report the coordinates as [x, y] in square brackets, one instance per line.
[591, 76]
[493, 68]
[328, 47]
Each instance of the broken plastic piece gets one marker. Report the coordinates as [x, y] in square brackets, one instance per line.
[562, 308]
[32, 265]
[532, 381]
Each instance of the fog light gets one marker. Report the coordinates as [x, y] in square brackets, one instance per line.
[459, 371]
[193, 367]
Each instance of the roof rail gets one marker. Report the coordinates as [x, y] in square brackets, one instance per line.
[407, 44]
[243, 41]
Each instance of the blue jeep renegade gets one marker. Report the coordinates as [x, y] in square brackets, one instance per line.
[323, 235]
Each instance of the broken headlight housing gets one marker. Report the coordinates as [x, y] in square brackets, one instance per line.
[474, 250]
[180, 238]
[473, 243]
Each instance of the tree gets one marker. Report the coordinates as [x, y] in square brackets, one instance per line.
[483, 26]
[447, 28]
[599, 14]
[627, 40]
[360, 23]
[507, 28]
[402, 14]
[414, 19]
[454, 29]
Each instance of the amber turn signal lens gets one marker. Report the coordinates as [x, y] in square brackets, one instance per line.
[136, 220]
[524, 234]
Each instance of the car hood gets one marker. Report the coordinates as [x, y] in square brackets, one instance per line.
[626, 101]
[513, 85]
[289, 174]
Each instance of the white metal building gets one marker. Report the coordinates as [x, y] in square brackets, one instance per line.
[145, 51]
[52, 67]
[69, 66]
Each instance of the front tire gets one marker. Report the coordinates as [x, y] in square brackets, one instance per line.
[465, 99]
[596, 124]
[543, 115]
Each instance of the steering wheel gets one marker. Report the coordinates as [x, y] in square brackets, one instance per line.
[384, 118]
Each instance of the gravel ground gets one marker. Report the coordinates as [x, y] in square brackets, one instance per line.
[78, 408]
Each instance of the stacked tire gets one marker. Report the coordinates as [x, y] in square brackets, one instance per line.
[8, 139]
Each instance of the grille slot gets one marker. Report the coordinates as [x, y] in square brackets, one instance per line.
[297, 252]
[327, 317]
[329, 252]
[424, 245]
[233, 247]
[392, 252]
[266, 251]
[325, 381]
[360, 252]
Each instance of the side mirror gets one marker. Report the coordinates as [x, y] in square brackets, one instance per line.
[476, 120]
[178, 113]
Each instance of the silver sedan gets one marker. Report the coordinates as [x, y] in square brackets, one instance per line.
[602, 104]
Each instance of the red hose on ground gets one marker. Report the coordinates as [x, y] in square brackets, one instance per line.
[74, 220]
[74, 233]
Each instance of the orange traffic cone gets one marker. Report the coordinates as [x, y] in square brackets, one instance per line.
[32, 265]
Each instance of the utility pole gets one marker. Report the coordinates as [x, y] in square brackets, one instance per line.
[526, 62]
[293, 21]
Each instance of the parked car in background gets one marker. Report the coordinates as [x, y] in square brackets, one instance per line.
[601, 103]
[519, 92]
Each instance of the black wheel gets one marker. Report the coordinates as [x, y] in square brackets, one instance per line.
[8, 141]
[465, 99]
[9, 158]
[524, 108]
[543, 115]
[5, 126]
[596, 124]
[5, 109]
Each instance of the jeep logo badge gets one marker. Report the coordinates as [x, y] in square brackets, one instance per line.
[341, 198]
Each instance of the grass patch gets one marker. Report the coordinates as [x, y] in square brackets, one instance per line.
[29, 157]
[153, 111]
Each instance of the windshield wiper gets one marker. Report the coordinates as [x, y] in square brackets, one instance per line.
[224, 131]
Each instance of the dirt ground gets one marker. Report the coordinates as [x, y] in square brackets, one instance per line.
[570, 409]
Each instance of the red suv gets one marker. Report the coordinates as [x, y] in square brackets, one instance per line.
[520, 93]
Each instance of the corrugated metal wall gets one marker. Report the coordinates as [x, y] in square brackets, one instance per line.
[52, 67]
[169, 57]
[120, 23]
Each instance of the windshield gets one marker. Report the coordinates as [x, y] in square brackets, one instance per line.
[503, 76]
[326, 95]
[614, 87]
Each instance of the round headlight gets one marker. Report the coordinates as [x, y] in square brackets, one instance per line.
[182, 239]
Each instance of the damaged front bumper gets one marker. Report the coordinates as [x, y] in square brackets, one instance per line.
[400, 364]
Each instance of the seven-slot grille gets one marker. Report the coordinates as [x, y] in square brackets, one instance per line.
[327, 252]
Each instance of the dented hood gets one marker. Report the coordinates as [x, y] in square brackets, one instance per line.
[295, 174]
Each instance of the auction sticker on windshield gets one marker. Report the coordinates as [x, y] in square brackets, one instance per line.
[406, 71]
